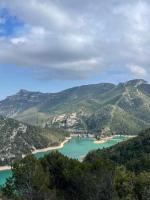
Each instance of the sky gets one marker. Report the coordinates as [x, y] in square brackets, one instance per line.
[51, 45]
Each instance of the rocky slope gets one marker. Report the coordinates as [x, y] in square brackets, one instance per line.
[100, 108]
[18, 138]
[21, 101]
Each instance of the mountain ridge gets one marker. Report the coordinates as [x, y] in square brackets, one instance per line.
[75, 109]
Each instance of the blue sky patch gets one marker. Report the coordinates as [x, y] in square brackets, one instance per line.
[9, 24]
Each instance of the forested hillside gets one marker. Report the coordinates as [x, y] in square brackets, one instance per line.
[133, 153]
[117, 173]
[17, 138]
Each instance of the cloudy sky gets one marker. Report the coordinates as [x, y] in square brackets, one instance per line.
[50, 45]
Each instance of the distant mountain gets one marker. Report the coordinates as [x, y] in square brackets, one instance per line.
[21, 101]
[99, 108]
[17, 138]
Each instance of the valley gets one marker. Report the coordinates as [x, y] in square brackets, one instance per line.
[91, 124]
[31, 121]
[76, 147]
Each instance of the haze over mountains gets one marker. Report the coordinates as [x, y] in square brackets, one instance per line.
[102, 108]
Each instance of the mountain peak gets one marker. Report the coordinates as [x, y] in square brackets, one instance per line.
[22, 91]
[135, 82]
[90, 108]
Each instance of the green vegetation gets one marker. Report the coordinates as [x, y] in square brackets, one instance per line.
[133, 153]
[99, 108]
[103, 175]
[18, 138]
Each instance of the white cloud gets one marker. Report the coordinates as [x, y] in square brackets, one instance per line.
[38, 13]
[18, 40]
[137, 70]
[136, 14]
[38, 31]
[74, 39]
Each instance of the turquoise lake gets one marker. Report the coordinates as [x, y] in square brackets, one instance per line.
[76, 148]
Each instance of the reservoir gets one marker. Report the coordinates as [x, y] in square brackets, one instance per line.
[76, 148]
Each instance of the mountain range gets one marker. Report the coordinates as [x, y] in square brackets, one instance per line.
[103, 108]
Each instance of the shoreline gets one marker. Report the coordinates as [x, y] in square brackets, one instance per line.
[52, 148]
[61, 145]
[3, 168]
[105, 139]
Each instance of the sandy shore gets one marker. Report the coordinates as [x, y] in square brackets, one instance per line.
[128, 136]
[103, 140]
[2, 168]
[52, 148]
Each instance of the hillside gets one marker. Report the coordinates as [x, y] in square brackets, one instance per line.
[100, 108]
[104, 174]
[133, 153]
[18, 138]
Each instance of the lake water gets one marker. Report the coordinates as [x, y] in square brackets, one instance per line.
[75, 148]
